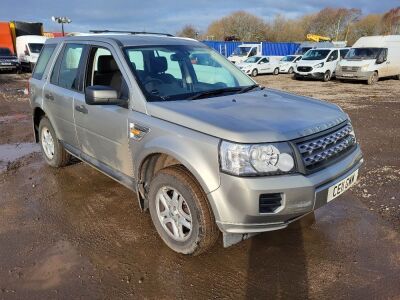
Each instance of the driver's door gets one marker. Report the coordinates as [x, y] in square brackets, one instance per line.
[264, 65]
[332, 61]
[103, 129]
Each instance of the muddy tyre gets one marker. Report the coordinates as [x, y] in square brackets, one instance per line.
[327, 76]
[53, 151]
[373, 78]
[254, 73]
[180, 212]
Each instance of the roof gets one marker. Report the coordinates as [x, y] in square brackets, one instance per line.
[130, 39]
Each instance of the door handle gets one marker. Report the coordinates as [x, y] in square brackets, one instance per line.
[81, 108]
[49, 96]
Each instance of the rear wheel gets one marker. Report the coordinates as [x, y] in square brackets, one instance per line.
[327, 76]
[276, 71]
[180, 212]
[53, 151]
[254, 73]
[290, 71]
[373, 78]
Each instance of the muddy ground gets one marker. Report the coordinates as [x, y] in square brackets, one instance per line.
[75, 233]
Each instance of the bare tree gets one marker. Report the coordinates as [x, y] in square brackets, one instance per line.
[391, 21]
[188, 31]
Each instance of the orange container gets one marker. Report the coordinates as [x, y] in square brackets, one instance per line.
[6, 40]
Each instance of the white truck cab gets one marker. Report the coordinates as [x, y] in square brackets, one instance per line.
[371, 58]
[28, 49]
[244, 51]
[259, 65]
[319, 63]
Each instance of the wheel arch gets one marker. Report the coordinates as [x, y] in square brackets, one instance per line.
[38, 114]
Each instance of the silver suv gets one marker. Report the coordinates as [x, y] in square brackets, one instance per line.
[205, 148]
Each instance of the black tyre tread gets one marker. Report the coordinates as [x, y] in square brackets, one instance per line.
[63, 156]
[209, 232]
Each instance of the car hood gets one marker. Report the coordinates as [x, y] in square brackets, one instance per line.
[245, 65]
[356, 62]
[254, 117]
[309, 63]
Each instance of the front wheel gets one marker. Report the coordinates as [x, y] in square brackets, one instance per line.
[276, 71]
[327, 76]
[254, 73]
[53, 151]
[373, 78]
[291, 70]
[180, 212]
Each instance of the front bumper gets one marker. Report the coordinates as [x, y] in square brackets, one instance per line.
[236, 202]
[9, 67]
[313, 75]
[358, 75]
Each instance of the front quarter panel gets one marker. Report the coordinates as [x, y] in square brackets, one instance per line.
[198, 152]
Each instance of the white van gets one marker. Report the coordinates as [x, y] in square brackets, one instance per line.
[319, 63]
[28, 49]
[259, 65]
[243, 52]
[371, 58]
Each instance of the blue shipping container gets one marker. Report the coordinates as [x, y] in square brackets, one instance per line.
[268, 48]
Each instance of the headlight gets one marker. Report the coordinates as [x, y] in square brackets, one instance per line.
[256, 159]
[319, 65]
[364, 67]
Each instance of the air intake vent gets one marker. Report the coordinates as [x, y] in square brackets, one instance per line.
[269, 203]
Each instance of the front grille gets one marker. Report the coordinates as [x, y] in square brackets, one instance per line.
[269, 203]
[304, 69]
[321, 150]
[350, 69]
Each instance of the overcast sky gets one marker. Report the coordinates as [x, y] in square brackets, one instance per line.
[164, 15]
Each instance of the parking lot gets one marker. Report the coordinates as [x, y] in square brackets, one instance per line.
[74, 232]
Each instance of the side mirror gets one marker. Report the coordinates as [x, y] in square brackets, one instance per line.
[101, 94]
[380, 60]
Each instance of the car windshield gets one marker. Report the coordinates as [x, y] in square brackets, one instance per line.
[363, 53]
[288, 58]
[180, 72]
[241, 51]
[316, 54]
[303, 50]
[252, 59]
[35, 47]
[5, 52]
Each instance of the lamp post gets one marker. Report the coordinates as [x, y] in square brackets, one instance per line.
[62, 21]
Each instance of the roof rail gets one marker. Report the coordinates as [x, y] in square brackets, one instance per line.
[130, 32]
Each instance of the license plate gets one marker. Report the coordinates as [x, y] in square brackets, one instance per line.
[342, 186]
[347, 75]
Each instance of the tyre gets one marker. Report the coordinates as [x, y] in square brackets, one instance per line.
[276, 71]
[397, 77]
[297, 77]
[53, 151]
[180, 212]
[373, 78]
[327, 76]
[290, 71]
[254, 73]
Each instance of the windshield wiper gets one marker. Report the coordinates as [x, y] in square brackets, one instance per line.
[249, 88]
[214, 92]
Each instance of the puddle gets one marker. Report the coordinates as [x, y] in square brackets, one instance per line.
[16, 117]
[12, 152]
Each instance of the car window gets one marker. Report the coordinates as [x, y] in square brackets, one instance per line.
[265, 60]
[68, 74]
[343, 52]
[43, 60]
[253, 52]
[333, 56]
[102, 69]
[136, 57]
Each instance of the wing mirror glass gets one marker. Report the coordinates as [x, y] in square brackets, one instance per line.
[102, 95]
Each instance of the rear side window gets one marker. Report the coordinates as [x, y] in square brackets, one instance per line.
[68, 76]
[43, 60]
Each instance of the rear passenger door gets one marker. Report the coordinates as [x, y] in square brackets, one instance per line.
[103, 129]
[61, 89]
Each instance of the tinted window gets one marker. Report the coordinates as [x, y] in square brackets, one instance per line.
[35, 48]
[333, 56]
[68, 76]
[343, 52]
[43, 60]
